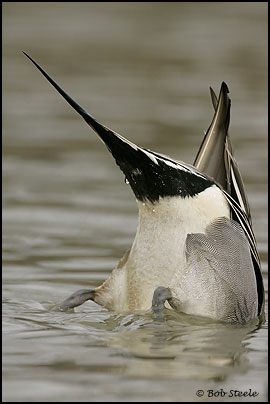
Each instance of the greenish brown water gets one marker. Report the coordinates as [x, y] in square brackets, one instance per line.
[143, 69]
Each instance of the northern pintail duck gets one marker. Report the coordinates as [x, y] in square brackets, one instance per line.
[194, 250]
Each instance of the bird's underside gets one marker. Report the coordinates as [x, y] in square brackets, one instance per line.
[194, 250]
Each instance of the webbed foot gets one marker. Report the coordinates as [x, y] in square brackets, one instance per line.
[76, 299]
[160, 296]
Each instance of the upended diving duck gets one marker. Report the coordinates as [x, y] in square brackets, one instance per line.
[194, 250]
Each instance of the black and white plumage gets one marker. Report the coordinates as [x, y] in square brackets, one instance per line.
[194, 248]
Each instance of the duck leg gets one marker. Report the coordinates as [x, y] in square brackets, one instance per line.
[161, 294]
[76, 299]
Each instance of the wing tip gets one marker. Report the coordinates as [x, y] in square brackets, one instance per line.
[224, 87]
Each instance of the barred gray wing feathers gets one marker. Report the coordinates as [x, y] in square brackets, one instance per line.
[224, 253]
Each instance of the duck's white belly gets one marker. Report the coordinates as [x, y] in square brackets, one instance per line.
[157, 257]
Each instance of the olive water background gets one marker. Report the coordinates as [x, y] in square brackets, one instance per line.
[143, 69]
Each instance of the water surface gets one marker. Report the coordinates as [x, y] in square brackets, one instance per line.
[143, 69]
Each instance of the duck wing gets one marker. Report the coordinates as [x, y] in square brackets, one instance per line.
[215, 156]
[221, 260]
[216, 159]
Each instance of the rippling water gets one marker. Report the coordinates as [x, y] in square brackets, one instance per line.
[144, 70]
